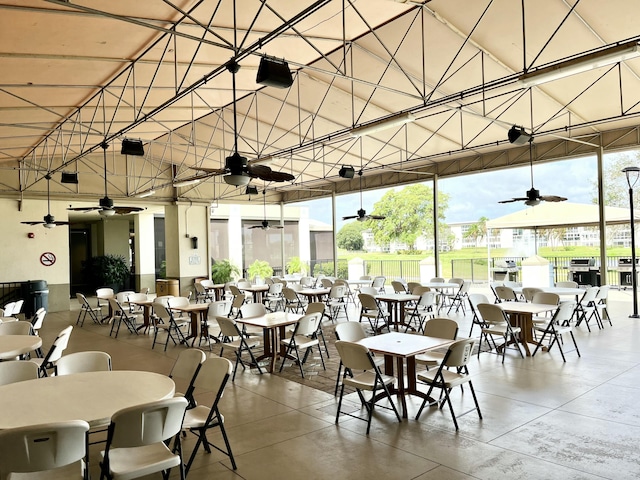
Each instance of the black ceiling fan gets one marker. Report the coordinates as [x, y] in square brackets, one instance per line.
[533, 197]
[264, 225]
[49, 220]
[361, 213]
[237, 170]
[105, 206]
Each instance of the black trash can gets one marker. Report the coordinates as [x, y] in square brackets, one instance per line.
[36, 295]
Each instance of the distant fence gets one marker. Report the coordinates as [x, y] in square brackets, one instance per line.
[478, 270]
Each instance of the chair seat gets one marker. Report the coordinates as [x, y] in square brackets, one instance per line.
[560, 329]
[128, 463]
[197, 417]
[302, 341]
[430, 358]
[367, 380]
[235, 344]
[451, 378]
[500, 329]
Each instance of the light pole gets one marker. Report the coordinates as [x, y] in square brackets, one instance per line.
[633, 174]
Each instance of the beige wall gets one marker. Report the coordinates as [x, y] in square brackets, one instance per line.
[20, 255]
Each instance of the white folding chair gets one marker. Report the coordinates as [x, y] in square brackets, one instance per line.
[78, 362]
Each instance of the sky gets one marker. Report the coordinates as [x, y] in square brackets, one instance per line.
[477, 195]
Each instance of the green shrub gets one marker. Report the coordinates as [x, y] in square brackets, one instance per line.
[259, 268]
[106, 270]
[223, 271]
[295, 265]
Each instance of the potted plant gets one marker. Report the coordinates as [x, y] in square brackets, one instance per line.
[259, 268]
[295, 265]
[223, 271]
[108, 271]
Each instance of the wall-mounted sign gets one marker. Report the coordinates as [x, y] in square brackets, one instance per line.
[47, 259]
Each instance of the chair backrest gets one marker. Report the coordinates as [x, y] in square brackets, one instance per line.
[219, 308]
[144, 290]
[441, 328]
[437, 280]
[603, 293]
[366, 277]
[505, 293]
[378, 282]
[475, 299]
[187, 363]
[398, 287]
[104, 292]
[275, 288]
[567, 284]
[200, 290]
[269, 281]
[16, 328]
[137, 297]
[492, 313]
[253, 310]
[369, 290]
[178, 302]
[529, 292]
[228, 327]
[368, 302]
[123, 297]
[235, 291]
[459, 353]
[315, 307]
[17, 371]
[546, 297]
[8, 309]
[411, 286]
[337, 291]
[458, 281]
[59, 345]
[38, 319]
[589, 296]
[163, 300]
[308, 324]
[213, 375]
[37, 448]
[17, 307]
[307, 281]
[289, 294]
[116, 308]
[207, 283]
[90, 361]
[427, 299]
[564, 313]
[350, 331]
[162, 312]
[146, 424]
[326, 282]
[354, 356]
[243, 284]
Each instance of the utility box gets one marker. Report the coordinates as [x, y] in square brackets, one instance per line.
[168, 286]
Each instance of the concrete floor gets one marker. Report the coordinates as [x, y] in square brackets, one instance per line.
[542, 418]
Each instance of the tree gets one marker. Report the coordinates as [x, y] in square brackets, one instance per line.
[477, 231]
[350, 236]
[409, 215]
[615, 182]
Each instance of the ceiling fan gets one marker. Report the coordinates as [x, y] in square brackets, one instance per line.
[533, 197]
[264, 225]
[237, 170]
[49, 220]
[105, 206]
[361, 213]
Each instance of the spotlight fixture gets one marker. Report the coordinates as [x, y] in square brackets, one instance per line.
[132, 147]
[146, 194]
[69, 177]
[347, 171]
[274, 73]
[518, 136]
[574, 66]
[251, 190]
[107, 212]
[237, 180]
[382, 124]
[186, 183]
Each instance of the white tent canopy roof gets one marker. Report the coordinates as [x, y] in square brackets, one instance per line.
[560, 215]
